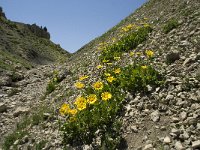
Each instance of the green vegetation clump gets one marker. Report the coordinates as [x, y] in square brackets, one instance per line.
[170, 25]
[21, 129]
[95, 112]
[126, 43]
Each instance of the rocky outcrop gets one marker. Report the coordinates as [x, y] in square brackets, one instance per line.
[2, 14]
[39, 31]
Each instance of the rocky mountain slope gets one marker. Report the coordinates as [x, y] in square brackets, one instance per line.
[163, 116]
[24, 46]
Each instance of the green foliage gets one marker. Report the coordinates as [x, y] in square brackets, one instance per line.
[50, 87]
[18, 134]
[10, 139]
[170, 25]
[21, 128]
[40, 145]
[134, 78]
[125, 44]
[52, 83]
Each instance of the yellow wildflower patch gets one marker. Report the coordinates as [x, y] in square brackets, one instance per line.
[138, 53]
[116, 58]
[109, 63]
[110, 79]
[117, 71]
[64, 109]
[107, 74]
[149, 53]
[79, 85]
[99, 67]
[144, 67]
[105, 61]
[92, 98]
[81, 78]
[106, 96]
[80, 103]
[98, 85]
[72, 111]
[131, 54]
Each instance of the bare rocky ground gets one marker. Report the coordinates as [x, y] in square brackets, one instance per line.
[21, 97]
[168, 118]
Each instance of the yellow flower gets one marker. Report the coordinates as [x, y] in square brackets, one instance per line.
[117, 71]
[79, 85]
[105, 61]
[72, 111]
[149, 53]
[80, 103]
[116, 58]
[144, 67]
[99, 67]
[64, 109]
[98, 85]
[109, 63]
[129, 26]
[138, 53]
[106, 96]
[83, 78]
[55, 79]
[92, 98]
[132, 53]
[107, 74]
[110, 79]
[145, 18]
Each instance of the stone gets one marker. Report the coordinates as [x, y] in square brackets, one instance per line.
[134, 129]
[3, 107]
[148, 147]
[175, 119]
[155, 116]
[21, 110]
[179, 146]
[175, 131]
[169, 97]
[196, 144]
[183, 115]
[167, 140]
[172, 56]
[166, 147]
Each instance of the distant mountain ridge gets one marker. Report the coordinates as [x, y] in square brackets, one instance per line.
[25, 46]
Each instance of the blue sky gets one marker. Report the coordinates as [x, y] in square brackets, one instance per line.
[71, 23]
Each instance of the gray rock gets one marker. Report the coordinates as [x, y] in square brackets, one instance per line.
[155, 116]
[175, 119]
[167, 140]
[3, 107]
[179, 146]
[172, 56]
[134, 129]
[166, 147]
[21, 110]
[148, 147]
[175, 131]
[191, 59]
[183, 115]
[196, 144]
[169, 97]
